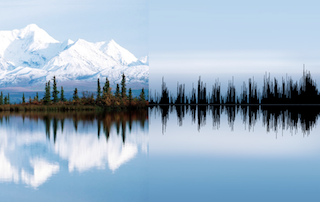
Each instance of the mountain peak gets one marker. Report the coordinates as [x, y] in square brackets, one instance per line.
[38, 34]
[32, 27]
[112, 42]
[117, 52]
[29, 56]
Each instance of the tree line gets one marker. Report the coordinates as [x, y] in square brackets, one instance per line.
[104, 97]
[273, 92]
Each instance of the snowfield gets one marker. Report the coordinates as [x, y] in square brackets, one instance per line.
[31, 57]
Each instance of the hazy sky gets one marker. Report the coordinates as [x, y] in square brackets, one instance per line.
[203, 37]
[246, 37]
[125, 21]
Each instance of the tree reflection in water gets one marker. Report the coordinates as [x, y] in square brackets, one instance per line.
[45, 140]
[274, 117]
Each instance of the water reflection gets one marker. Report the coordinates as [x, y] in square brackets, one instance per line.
[274, 117]
[35, 146]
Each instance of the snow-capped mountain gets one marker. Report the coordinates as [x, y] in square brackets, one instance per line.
[30, 57]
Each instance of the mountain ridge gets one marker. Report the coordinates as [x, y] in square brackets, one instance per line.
[30, 57]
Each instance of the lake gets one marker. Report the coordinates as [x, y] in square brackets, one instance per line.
[74, 156]
[204, 153]
[233, 154]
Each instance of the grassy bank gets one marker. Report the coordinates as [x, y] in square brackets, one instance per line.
[62, 108]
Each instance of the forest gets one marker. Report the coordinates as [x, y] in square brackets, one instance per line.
[103, 99]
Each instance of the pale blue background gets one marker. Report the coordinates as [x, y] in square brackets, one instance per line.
[125, 21]
[221, 39]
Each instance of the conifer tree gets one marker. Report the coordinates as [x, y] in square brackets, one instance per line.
[75, 95]
[130, 95]
[5, 100]
[123, 86]
[36, 98]
[1, 98]
[62, 98]
[8, 100]
[98, 91]
[23, 99]
[142, 95]
[117, 94]
[106, 87]
[46, 98]
[55, 91]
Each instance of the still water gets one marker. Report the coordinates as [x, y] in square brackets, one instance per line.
[230, 154]
[74, 156]
[164, 154]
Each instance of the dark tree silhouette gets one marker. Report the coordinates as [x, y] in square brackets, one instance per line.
[123, 86]
[46, 98]
[75, 95]
[23, 98]
[98, 90]
[62, 98]
[55, 91]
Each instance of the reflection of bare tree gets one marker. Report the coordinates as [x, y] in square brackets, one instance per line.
[164, 116]
[180, 109]
[230, 110]
[215, 116]
[202, 109]
[249, 113]
[293, 117]
[273, 117]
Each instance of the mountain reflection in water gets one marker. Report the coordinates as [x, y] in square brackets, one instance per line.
[35, 145]
[274, 117]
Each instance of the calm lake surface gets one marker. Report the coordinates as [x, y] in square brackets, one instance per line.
[234, 155]
[74, 156]
[165, 154]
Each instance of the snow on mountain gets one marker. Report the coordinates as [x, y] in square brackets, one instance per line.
[116, 52]
[28, 47]
[144, 60]
[5, 65]
[30, 56]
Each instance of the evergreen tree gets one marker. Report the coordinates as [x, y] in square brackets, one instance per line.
[1, 98]
[117, 94]
[23, 99]
[5, 100]
[130, 95]
[75, 95]
[62, 98]
[36, 98]
[55, 91]
[45, 91]
[8, 100]
[106, 86]
[98, 91]
[46, 98]
[123, 86]
[142, 95]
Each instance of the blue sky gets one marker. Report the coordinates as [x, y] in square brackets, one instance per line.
[208, 38]
[125, 21]
[232, 38]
